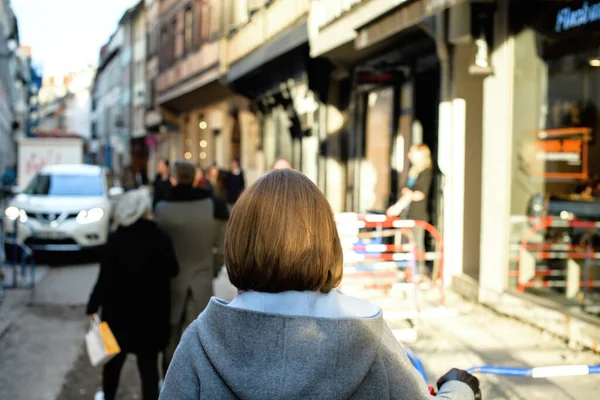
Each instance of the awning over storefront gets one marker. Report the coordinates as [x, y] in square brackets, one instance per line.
[289, 40]
[155, 122]
[373, 22]
[269, 76]
[405, 17]
[200, 91]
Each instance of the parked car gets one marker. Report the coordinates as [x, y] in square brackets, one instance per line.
[63, 208]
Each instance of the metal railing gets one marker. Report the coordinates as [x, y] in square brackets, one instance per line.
[22, 263]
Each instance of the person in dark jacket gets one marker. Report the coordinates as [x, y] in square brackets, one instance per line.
[195, 219]
[132, 292]
[414, 202]
[235, 182]
[290, 334]
[162, 182]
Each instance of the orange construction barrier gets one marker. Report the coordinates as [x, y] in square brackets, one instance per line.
[528, 272]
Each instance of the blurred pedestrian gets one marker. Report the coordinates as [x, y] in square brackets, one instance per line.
[162, 182]
[199, 178]
[132, 292]
[235, 182]
[195, 220]
[414, 202]
[216, 180]
[281, 163]
[290, 334]
[128, 181]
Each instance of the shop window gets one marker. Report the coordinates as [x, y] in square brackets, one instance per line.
[203, 23]
[166, 48]
[206, 12]
[188, 31]
[555, 199]
[151, 43]
[173, 42]
[167, 45]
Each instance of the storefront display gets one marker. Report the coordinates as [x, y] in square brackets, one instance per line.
[555, 201]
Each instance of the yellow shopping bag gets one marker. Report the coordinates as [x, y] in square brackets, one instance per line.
[100, 343]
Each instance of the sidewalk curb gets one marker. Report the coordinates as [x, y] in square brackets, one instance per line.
[15, 301]
[577, 329]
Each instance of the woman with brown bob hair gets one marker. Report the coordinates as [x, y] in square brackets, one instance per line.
[290, 334]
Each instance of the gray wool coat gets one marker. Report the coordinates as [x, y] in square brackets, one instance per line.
[196, 223]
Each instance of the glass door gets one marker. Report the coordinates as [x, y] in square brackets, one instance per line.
[375, 169]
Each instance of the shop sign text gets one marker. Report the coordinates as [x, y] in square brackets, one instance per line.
[567, 18]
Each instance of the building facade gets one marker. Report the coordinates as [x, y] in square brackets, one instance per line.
[9, 43]
[107, 118]
[65, 103]
[118, 95]
[139, 86]
[269, 63]
[236, 78]
[189, 90]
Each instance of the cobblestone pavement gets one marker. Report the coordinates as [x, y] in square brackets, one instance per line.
[43, 358]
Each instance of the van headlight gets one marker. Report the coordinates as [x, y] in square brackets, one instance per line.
[13, 213]
[89, 216]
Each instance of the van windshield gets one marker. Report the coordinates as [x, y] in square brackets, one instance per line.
[65, 185]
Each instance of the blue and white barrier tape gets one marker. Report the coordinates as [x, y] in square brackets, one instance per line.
[540, 372]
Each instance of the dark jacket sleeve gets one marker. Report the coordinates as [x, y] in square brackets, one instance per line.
[221, 211]
[423, 183]
[104, 277]
[221, 214]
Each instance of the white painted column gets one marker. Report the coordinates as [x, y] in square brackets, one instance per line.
[310, 149]
[460, 161]
[450, 154]
[496, 165]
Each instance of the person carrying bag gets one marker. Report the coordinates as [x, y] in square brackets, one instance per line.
[100, 342]
[133, 294]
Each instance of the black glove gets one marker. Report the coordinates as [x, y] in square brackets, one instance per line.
[461, 376]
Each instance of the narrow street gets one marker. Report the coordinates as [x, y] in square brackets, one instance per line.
[41, 341]
[43, 356]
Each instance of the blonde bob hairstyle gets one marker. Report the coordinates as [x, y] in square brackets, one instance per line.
[282, 236]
